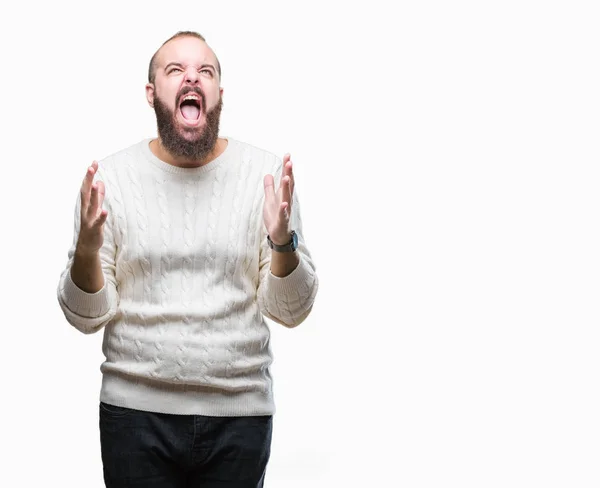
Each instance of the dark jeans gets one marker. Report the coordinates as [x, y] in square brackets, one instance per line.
[153, 450]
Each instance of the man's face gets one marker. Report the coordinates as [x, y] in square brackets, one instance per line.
[186, 97]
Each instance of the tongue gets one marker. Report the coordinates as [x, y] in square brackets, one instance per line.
[190, 112]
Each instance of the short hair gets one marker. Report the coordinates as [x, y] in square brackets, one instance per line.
[152, 66]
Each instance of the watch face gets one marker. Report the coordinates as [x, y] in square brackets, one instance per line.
[294, 241]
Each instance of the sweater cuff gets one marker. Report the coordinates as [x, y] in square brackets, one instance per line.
[302, 277]
[85, 304]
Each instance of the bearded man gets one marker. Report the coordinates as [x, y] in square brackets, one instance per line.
[184, 245]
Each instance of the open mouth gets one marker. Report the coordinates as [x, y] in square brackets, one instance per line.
[191, 107]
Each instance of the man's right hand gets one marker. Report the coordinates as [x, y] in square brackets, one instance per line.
[91, 233]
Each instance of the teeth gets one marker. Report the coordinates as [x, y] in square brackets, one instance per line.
[191, 97]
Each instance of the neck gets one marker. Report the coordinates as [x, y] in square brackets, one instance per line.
[163, 154]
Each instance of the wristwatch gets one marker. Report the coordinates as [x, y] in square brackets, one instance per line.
[289, 247]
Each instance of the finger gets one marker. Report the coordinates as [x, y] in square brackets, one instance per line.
[286, 158]
[86, 186]
[286, 168]
[288, 171]
[291, 175]
[101, 193]
[284, 211]
[269, 183]
[101, 219]
[286, 194]
[93, 206]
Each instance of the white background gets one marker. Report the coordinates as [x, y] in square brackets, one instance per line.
[447, 163]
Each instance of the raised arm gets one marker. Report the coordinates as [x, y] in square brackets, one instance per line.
[288, 280]
[87, 290]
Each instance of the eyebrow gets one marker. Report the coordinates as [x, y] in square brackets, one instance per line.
[179, 65]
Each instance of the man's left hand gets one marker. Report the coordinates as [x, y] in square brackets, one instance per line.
[278, 204]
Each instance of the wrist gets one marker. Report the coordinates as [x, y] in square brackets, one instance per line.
[86, 253]
[280, 241]
[289, 243]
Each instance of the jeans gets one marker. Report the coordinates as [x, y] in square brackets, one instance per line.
[155, 450]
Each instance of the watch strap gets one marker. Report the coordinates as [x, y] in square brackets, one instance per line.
[289, 247]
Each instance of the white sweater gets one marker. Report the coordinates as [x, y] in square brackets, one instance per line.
[188, 283]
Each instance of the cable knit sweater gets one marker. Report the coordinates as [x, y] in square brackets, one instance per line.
[188, 283]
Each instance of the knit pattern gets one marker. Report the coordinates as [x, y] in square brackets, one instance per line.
[187, 284]
[187, 274]
[164, 265]
[116, 226]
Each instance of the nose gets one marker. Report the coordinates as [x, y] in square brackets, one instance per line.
[191, 75]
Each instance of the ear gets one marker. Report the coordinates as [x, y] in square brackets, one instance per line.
[221, 92]
[150, 94]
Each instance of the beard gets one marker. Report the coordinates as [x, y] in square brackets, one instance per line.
[193, 143]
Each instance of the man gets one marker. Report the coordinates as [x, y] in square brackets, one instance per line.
[183, 244]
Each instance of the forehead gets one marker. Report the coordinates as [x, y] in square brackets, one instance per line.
[186, 50]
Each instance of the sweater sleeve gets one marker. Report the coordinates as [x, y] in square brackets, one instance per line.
[89, 312]
[288, 300]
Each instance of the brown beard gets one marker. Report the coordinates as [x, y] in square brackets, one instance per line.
[204, 139]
